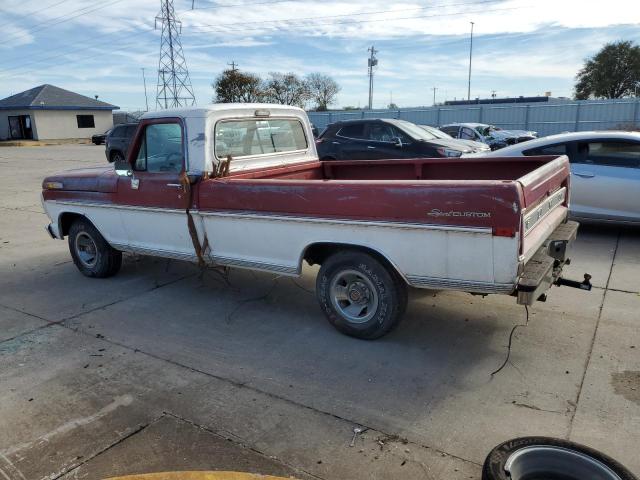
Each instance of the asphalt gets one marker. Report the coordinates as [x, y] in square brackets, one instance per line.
[165, 367]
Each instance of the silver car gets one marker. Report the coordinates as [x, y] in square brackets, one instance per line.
[605, 172]
[475, 146]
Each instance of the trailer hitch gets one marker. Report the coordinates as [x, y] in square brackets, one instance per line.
[584, 285]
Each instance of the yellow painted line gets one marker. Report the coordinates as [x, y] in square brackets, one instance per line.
[198, 476]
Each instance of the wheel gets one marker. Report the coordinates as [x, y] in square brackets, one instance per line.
[91, 253]
[542, 457]
[360, 296]
[117, 157]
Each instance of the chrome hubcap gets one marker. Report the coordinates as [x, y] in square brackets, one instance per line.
[86, 249]
[354, 296]
[545, 462]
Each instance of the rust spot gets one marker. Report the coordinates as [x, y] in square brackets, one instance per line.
[627, 384]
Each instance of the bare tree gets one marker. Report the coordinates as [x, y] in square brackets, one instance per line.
[323, 90]
[286, 89]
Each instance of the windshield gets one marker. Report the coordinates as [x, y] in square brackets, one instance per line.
[435, 132]
[485, 130]
[413, 130]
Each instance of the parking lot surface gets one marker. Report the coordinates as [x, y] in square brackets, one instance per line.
[167, 367]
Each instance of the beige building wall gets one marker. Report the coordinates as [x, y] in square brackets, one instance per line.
[57, 124]
[4, 122]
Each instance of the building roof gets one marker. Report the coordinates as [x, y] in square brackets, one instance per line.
[50, 97]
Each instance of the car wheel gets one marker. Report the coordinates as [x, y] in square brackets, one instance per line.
[360, 296]
[543, 457]
[117, 157]
[91, 253]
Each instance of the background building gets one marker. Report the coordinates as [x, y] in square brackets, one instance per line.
[49, 112]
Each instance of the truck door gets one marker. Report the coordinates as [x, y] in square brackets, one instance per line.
[151, 199]
[605, 178]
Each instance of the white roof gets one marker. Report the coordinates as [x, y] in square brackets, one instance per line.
[240, 108]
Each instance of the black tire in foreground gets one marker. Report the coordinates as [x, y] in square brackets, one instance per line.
[360, 295]
[91, 253]
[543, 457]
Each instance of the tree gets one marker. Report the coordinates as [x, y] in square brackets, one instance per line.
[613, 72]
[323, 90]
[392, 106]
[235, 86]
[286, 89]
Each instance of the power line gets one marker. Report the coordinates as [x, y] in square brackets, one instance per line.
[63, 19]
[33, 12]
[87, 47]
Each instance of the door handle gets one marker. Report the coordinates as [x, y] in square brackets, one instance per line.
[370, 147]
[585, 174]
[175, 185]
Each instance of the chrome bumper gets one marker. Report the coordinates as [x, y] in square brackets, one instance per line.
[545, 267]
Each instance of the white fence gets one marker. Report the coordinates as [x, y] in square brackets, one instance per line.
[544, 118]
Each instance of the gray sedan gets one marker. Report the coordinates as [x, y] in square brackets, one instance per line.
[605, 172]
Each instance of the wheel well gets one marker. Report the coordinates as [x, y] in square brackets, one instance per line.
[65, 221]
[317, 253]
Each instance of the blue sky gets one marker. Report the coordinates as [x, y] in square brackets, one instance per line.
[520, 47]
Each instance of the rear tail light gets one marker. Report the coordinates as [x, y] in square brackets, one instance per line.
[504, 232]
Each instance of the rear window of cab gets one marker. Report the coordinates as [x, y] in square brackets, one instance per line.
[254, 137]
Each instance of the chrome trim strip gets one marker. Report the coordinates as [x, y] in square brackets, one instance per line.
[336, 221]
[123, 207]
[154, 252]
[253, 265]
[463, 285]
[533, 218]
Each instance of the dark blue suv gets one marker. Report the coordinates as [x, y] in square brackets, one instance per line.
[384, 138]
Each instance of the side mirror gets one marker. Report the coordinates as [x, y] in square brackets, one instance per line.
[397, 142]
[122, 168]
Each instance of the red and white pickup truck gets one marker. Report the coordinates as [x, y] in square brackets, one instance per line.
[241, 186]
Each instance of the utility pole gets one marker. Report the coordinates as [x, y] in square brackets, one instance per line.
[470, 56]
[493, 94]
[144, 82]
[372, 62]
[233, 65]
[434, 95]
[174, 85]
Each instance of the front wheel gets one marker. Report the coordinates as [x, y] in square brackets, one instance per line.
[360, 296]
[91, 253]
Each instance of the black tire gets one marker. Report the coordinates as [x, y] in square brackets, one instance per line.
[378, 291]
[495, 463]
[91, 253]
[116, 157]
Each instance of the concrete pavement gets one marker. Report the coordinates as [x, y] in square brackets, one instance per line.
[163, 367]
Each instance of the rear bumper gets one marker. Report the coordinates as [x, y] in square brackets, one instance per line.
[544, 268]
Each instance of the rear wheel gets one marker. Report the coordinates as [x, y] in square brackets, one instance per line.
[91, 253]
[360, 295]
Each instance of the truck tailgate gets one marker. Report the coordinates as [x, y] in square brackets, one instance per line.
[545, 193]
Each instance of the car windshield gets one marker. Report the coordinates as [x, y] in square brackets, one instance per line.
[415, 131]
[485, 130]
[435, 132]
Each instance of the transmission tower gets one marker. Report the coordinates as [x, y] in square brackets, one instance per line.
[174, 85]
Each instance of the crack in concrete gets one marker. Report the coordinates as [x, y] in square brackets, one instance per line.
[240, 441]
[135, 431]
[238, 384]
[593, 338]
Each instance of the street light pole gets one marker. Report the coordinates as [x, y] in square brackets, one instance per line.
[470, 56]
[434, 95]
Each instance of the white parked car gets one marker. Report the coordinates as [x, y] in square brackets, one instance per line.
[605, 172]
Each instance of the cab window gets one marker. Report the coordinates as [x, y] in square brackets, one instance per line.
[354, 130]
[381, 132]
[613, 154]
[160, 149]
[244, 138]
